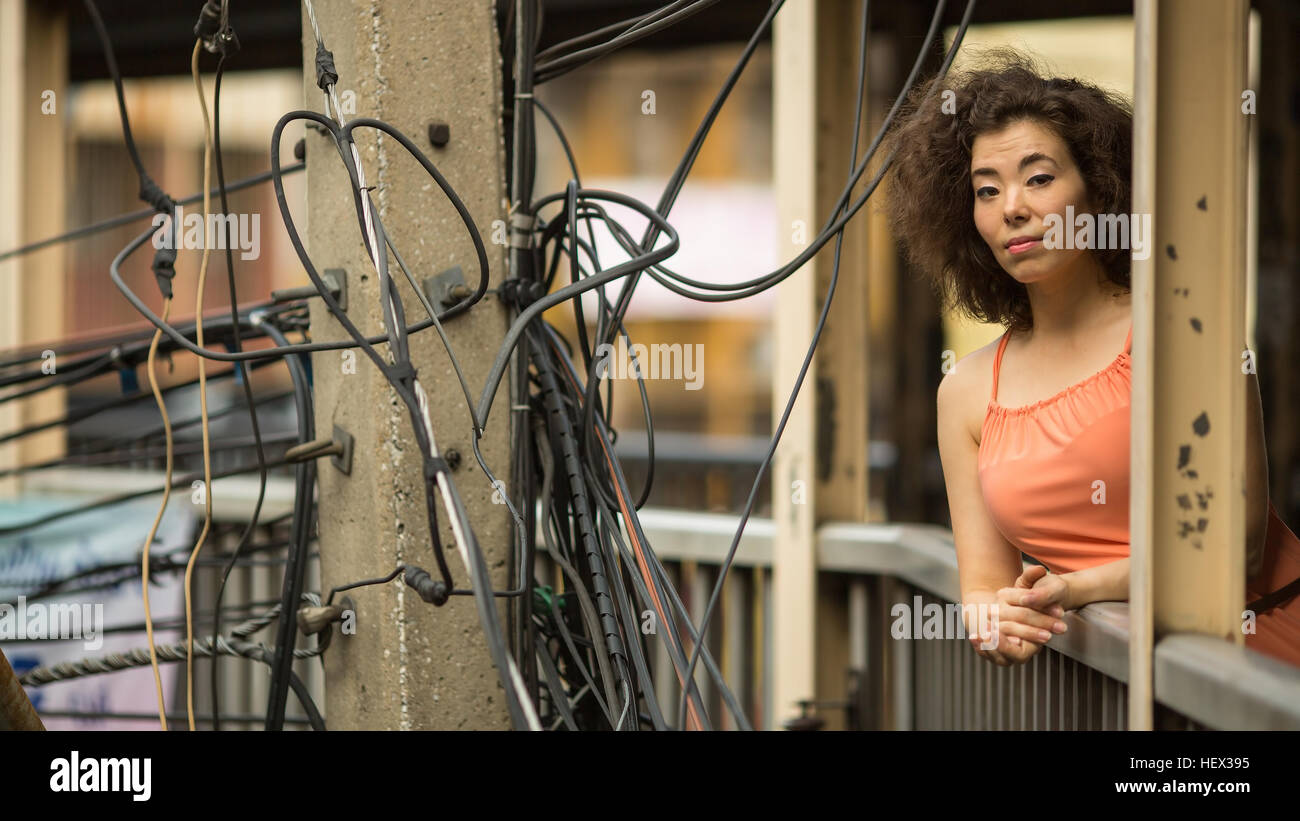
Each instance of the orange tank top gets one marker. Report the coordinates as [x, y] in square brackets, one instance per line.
[1055, 479]
[1055, 473]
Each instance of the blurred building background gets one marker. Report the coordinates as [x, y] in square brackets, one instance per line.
[709, 442]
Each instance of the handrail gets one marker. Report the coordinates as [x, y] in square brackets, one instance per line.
[1214, 682]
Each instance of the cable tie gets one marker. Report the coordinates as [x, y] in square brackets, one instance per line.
[521, 229]
[525, 95]
[326, 76]
[402, 372]
[435, 466]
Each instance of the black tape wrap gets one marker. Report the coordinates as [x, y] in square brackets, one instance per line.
[164, 269]
[209, 21]
[403, 372]
[164, 259]
[326, 76]
[155, 196]
[434, 466]
[419, 580]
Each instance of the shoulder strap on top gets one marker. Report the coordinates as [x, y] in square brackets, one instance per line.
[997, 364]
[1276, 533]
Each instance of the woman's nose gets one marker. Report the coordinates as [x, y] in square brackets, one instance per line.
[1014, 209]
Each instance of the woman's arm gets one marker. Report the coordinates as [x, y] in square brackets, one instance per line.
[986, 561]
[1105, 582]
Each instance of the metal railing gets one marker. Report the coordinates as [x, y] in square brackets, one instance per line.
[252, 586]
[1078, 682]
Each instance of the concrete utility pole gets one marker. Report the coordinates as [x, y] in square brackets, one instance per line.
[409, 665]
[16, 711]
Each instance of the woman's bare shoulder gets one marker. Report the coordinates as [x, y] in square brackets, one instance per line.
[966, 388]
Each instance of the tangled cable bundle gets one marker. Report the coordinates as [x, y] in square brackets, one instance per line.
[577, 660]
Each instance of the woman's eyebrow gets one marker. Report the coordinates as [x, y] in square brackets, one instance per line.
[1028, 159]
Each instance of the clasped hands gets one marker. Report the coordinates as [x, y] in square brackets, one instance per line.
[1022, 619]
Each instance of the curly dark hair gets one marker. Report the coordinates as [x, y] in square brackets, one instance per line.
[930, 200]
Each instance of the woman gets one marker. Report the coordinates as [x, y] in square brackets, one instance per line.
[1034, 428]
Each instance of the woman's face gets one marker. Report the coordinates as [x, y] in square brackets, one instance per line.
[1021, 174]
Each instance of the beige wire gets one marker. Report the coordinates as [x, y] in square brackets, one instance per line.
[167, 492]
[203, 395]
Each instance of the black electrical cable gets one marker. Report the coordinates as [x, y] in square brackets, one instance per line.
[604, 302]
[582, 517]
[821, 320]
[401, 374]
[149, 191]
[573, 405]
[117, 339]
[300, 534]
[741, 290]
[678, 179]
[568, 292]
[665, 17]
[9, 530]
[364, 583]
[120, 357]
[659, 576]
[567, 46]
[525, 25]
[246, 381]
[143, 213]
[674, 647]
[155, 452]
[675, 185]
[342, 136]
[82, 414]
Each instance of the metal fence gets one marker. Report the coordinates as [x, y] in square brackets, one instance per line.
[1079, 682]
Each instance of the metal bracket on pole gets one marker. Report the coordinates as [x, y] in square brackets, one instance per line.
[447, 288]
[336, 279]
[338, 448]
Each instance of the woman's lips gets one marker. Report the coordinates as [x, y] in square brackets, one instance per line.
[1021, 246]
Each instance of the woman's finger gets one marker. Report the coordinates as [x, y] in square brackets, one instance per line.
[997, 658]
[1018, 652]
[991, 655]
[1025, 632]
[1031, 575]
[1011, 614]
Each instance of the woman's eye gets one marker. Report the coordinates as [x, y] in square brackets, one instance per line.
[1043, 179]
[985, 191]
